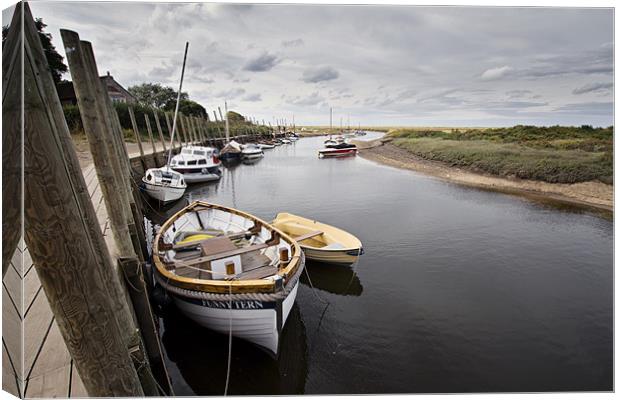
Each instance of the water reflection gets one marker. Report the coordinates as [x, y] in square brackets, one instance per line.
[332, 278]
[200, 357]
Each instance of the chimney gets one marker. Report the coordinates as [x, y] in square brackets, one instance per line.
[108, 73]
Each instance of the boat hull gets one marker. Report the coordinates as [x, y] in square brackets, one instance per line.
[331, 256]
[258, 322]
[200, 177]
[338, 152]
[229, 156]
[165, 194]
[253, 156]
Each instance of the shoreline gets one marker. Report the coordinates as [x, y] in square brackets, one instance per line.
[591, 195]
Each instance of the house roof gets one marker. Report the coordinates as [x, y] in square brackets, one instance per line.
[67, 92]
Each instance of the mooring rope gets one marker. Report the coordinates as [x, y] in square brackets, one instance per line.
[229, 339]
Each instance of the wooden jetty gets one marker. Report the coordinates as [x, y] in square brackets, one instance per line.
[76, 311]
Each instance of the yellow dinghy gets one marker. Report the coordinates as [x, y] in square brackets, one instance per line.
[320, 242]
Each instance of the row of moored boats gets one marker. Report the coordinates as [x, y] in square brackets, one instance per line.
[226, 269]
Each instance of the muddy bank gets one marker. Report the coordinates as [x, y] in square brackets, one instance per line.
[594, 195]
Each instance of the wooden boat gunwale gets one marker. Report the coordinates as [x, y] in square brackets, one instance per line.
[226, 286]
[358, 249]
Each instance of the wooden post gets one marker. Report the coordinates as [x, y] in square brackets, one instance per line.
[169, 125]
[12, 141]
[134, 125]
[94, 118]
[150, 131]
[180, 129]
[220, 137]
[65, 241]
[137, 289]
[188, 132]
[161, 134]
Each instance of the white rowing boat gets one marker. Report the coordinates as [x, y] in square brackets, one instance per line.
[225, 268]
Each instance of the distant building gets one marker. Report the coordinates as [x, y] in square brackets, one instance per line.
[117, 93]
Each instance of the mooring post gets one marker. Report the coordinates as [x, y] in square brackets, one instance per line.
[93, 120]
[150, 131]
[114, 139]
[188, 132]
[136, 132]
[65, 241]
[169, 125]
[161, 134]
[12, 142]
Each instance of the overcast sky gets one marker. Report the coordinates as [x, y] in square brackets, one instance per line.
[382, 65]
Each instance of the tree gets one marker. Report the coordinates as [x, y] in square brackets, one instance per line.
[54, 60]
[156, 95]
[188, 107]
[235, 117]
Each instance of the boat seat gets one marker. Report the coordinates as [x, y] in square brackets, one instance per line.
[258, 273]
[225, 254]
[308, 236]
[333, 246]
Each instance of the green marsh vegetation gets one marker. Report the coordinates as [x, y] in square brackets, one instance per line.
[555, 154]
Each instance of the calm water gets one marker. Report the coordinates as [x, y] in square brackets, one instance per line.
[459, 290]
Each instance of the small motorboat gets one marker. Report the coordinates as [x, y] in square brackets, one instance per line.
[320, 242]
[251, 151]
[330, 143]
[164, 184]
[229, 271]
[197, 164]
[266, 146]
[231, 151]
[285, 141]
[338, 150]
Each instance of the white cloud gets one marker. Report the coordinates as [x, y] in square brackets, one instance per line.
[495, 73]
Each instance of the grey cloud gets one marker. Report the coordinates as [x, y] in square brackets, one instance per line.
[600, 87]
[253, 97]
[590, 108]
[293, 43]
[310, 100]
[319, 74]
[517, 94]
[263, 62]
[230, 94]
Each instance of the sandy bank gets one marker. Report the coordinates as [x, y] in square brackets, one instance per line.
[596, 195]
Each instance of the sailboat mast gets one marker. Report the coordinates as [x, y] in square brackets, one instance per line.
[227, 126]
[176, 108]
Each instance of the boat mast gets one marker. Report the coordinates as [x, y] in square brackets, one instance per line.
[176, 108]
[226, 120]
[330, 123]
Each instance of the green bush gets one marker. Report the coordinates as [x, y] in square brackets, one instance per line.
[515, 160]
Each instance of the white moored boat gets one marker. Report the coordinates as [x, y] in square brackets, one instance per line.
[229, 271]
[251, 151]
[266, 146]
[197, 164]
[164, 184]
[319, 241]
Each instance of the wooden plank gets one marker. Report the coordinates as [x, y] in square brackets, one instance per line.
[53, 355]
[17, 262]
[37, 323]
[13, 284]
[31, 286]
[51, 385]
[225, 254]
[12, 332]
[307, 236]
[9, 374]
[77, 388]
